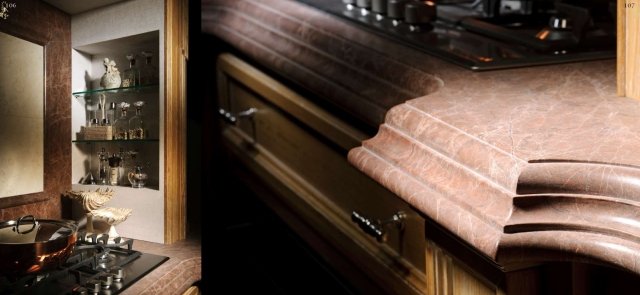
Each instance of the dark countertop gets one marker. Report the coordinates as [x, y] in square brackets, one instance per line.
[177, 274]
[525, 165]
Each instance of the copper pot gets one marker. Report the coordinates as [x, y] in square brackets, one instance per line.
[29, 246]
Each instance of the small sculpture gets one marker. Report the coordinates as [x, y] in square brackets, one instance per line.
[112, 216]
[93, 202]
[111, 78]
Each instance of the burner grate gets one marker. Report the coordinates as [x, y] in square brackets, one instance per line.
[95, 267]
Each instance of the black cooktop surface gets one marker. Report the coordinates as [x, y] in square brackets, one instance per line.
[475, 42]
[95, 267]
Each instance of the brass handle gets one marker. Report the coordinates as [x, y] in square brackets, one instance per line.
[377, 228]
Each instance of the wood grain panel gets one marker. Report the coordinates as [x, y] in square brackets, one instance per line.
[628, 48]
[176, 27]
[299, 150]
[448, 276]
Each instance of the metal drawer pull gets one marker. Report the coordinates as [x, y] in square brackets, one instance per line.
[232, 119]
[376, 228]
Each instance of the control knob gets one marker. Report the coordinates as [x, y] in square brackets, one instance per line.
[395, 8]
[363, 3]
[379, 6]
[80, 291]
[118, 274]
[349, 2]
[93, 287]
[106, 280]
[420, 12]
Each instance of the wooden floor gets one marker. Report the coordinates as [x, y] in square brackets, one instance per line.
[258, 254]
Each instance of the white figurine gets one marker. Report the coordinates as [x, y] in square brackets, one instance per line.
[111, 77]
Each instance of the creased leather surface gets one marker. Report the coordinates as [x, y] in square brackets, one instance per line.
[529, 164]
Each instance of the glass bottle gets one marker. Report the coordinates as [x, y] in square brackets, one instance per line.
[131, 76]
[136, 123]
[149, 72]
[92, 108]
[111, 112]
[121, 125]
[102, 167]
[114, 169]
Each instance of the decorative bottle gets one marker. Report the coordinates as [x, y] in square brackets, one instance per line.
[108, 120]
[136, 123]
[137, 177]
[114, 169]
[149, 72]
[102, 167]
[121, 125]
[131, 76]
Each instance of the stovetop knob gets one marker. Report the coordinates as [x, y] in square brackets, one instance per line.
[417, 13]
[363, 3]
[395, 8]
[80, 291]
[106, 280]
[93, 287]
[379, 6]
[558, 22]
[118, 273]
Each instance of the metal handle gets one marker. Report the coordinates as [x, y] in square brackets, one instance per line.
[232, 118]
[16, 228]
[377, 228]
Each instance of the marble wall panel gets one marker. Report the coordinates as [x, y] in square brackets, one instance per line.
[43, 24]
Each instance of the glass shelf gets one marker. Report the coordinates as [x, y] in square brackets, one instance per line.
[117, 188]
[116, 141]
[132, 89]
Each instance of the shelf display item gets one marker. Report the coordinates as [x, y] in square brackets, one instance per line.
[92, 203]
[131, 76]
[111, 112]
[149, 72]
[92, 108]
[121, 125]
[137, 177]
[111, 77]
[114, 169]
[112, 217]
[102, 167]
[136, 123]
[102, 107]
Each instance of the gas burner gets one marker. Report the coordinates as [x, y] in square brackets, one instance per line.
[490, 34]
[570, 28]
[95, 267]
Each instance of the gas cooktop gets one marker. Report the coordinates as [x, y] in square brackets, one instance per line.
[489, 34]
[95, 267]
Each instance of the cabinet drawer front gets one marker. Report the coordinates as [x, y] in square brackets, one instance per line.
[312, 145]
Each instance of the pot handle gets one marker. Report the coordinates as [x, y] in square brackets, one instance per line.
[16, 228]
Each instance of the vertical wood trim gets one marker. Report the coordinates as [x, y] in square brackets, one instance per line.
[175, 213]
[448, 276]
[621, 49]
[629, 63]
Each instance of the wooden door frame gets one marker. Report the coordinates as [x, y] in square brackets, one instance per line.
[175, 117]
